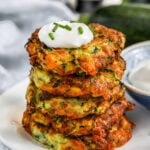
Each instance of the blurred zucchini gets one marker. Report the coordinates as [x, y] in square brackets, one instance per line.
[85, 18]
[131, 19]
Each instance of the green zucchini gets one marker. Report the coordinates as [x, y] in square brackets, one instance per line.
[131, 19]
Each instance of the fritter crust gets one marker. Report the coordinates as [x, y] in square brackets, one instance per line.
[56, 141]
[88, 125]
[51, 139]
[106, 84]
[88, 59]
[119, 134]
[69, 108]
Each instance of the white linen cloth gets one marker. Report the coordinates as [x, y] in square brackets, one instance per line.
[18, 19]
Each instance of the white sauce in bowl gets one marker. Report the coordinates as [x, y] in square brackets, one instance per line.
[140, 76]
[65, 34]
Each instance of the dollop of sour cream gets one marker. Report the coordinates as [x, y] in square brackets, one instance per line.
[140, 76]
[65, 34]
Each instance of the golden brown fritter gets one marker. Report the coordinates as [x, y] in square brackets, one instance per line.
[117, 135]
[88, 125]
[88, 59]
[105, 84]
[49, 138]
[70, 108]
[122, 133]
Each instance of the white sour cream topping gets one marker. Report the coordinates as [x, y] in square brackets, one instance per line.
[67, 35]
[140, 76]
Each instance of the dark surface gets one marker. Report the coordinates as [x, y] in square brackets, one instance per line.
[87, 5]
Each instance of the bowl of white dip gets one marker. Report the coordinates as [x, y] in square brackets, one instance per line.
[137, 74]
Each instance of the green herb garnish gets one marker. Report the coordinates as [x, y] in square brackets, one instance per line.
[67, 27]
[109, 70]
[95, 49]
[89, 142]
[95, 109]
[110, 40]
[39, 107]
[59, 25]
[55, 28]
[72, 123]
[116, 77]
[81, 126]
[68, 90]
[82, 104]
[80, 30]
[44, 104]
[51, 36]
[85, 110]
[58, 119]
[62, 103]
[101, 36]
[56, 84]
[63, 65]
[72, 49]
[41, 79]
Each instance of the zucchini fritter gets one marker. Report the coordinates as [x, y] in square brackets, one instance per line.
[70, 108]
[118, 135]
[88, 59]
[51, 139]
[88, 125]
[106, 84]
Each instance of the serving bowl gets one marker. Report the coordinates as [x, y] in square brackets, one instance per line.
[135, 55]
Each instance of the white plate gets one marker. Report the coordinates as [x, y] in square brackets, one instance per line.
[13, 103]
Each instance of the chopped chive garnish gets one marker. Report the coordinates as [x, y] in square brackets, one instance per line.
[72, 49]
[55, 28]
[59, 25]
[81, 126]
[95, 49]
[62, 103]
[44, 104]
[108, 70]
[95, 109]
[82, 103]
[63, 65]
[85, 110]
[67, 27]
[68, 90]
[80, 30]
[56, 84]
[58, 119]
[72, 123]
[51, 36]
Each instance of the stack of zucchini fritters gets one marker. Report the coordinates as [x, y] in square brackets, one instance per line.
[75, 100]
